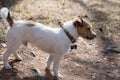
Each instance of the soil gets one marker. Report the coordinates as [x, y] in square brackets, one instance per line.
[97, 59]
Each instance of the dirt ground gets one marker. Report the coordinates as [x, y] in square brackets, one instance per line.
[97, 59]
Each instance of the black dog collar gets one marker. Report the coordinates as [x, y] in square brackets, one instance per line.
[72, 39]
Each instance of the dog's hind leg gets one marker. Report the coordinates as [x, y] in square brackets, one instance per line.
[11, 47]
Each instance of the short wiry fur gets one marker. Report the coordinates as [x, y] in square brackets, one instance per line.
[51, 40]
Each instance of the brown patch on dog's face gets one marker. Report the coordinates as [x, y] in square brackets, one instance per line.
[84, 29]
[30, 24]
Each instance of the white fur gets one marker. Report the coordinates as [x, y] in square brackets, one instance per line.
[51, 40]
[4, 13]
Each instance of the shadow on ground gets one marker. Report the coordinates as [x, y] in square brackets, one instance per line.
[9, 3]
[12, 74]
[97, 16]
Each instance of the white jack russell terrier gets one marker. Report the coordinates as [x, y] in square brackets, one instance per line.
[55, 41]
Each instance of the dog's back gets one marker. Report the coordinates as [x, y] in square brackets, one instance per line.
[35, 33]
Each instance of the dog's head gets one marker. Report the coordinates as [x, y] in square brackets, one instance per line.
[84, 29]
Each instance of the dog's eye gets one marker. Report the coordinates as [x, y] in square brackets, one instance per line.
[88, 28]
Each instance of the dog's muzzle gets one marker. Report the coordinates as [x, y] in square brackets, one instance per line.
[91, 37]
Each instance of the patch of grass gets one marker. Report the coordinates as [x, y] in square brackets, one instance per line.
[2, 37]
[52, 11]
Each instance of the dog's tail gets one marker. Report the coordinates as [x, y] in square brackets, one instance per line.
[5, 14]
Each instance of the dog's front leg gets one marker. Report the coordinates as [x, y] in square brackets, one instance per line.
[50, 60]
[57, 59]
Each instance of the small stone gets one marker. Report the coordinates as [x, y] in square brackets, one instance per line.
[105, 59]
[1, 54]
[94, 62]
[119, 34]
[111, 75]
[36, 70]
[32, 53]
[93, 76]
[116, 73]
[77, 64]
[1, 62]
[3, 45]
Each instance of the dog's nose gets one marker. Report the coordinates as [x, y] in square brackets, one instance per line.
[95, 35]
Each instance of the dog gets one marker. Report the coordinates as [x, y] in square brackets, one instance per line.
[55, 41]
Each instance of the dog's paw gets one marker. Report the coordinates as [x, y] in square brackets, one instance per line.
[48, 68]
[59, 75]
[18, 58]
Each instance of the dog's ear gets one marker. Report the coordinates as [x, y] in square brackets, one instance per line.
[78, 23]
[81, 22]
[60, 23]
